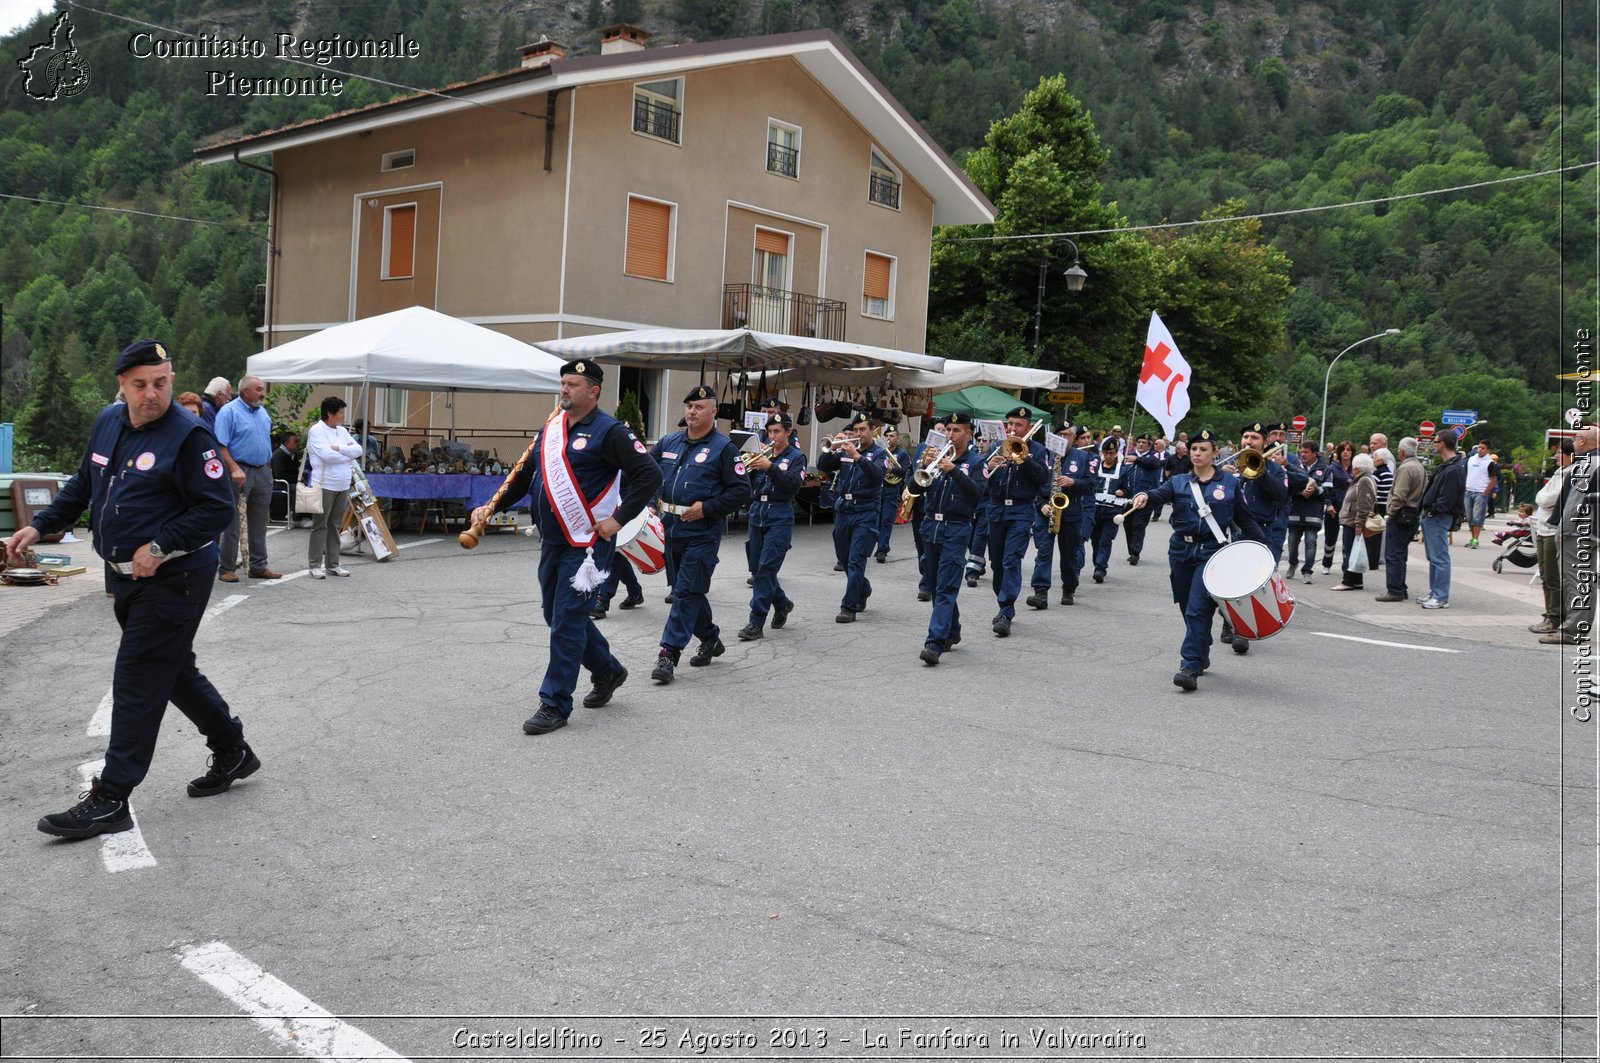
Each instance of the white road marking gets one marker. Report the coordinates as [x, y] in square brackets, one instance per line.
[419, 542]
[285, 578]
[1380, 642]
[125, 851]
[278, 1008]
[227, 603]
[100, 722]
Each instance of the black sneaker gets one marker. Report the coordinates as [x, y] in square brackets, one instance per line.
[846, 616]
[95, 813]
[662, 672]
[1039, 600]
[1002, 625]
[600, 693]
[225, 769]
[632, 601]
[749, 633]
[1066, 597]
[1187, 678]
[780, 614]
[924, 596]
[929, 654]
[709, 648]
[544, 721]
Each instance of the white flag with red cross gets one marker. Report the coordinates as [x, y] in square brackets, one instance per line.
[1164, 377]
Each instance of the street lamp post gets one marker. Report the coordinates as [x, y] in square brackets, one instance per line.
[1075, 277]
[1322, 424]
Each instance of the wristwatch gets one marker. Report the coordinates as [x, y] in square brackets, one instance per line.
[155, 549]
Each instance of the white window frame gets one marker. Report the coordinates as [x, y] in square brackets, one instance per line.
[392, 160]
[777, 123]
[899, 178]
[383, 397]
[672, 239]
[383, 256]
[682, 108]
[894, 278]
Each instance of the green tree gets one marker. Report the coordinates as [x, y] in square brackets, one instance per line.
[54, 426]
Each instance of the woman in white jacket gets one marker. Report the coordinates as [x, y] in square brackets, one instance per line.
[1548, 548]
[330, 450]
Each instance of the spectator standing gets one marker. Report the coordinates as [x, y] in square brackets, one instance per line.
[244, 428]
[1404, 511]
[191, 402]
[1481, 474]
[330, 451]
[1548, 544]
[1578, 508]
[218, 394]
[1360, 502]
[1443, 509]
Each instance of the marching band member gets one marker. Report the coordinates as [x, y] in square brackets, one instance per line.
[978, 541]
[769, 406]
[1076, 481]
[1204, 503]
[703, 480]
[889, 501]
[1110, 499]
[1278, 436]
[860, 466]
[1149, 470]
[948, 508]
[574, 469]
[1012, 496]
[1044, 540]
[773, 484]
[924, 576]
[1086, 443]
[1263, 496]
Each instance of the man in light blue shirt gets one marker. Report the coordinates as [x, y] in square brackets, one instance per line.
[244, 428]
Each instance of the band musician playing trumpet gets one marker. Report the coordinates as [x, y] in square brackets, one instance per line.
[948, 506]
[776, 472]
[859, 466]
[1018, 471]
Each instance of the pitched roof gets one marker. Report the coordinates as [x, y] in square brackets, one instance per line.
[820, 52]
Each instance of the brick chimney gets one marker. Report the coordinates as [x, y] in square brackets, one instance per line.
[541, 53]
[622, 38]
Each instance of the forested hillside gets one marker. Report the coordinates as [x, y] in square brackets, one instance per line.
[1190, 108]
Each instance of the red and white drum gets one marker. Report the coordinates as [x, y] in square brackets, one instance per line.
[643, 541]
[1245, 583]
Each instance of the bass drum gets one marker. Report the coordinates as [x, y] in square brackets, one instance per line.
[1244, 581]
[644, 542]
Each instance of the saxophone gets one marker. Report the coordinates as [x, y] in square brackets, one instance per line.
[1059, 501]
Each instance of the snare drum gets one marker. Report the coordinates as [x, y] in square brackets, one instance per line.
[1244, 581]
[643, 541]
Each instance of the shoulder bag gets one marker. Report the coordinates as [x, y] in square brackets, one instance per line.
[307, 497]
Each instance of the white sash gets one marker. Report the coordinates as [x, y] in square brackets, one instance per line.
[1205, 510]
[575, 514]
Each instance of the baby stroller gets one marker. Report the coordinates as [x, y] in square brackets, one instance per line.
[1516, 544]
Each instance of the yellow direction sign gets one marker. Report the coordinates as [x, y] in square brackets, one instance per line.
[1067, 395]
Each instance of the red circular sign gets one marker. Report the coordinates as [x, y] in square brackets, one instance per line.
[1425, 429]
[1299, 423]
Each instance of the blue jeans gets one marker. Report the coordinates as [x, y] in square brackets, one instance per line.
[1477, 508]
[769, 545]
[1435, 527]
[1008, 542]
[574, 639]
[1396, 545]
[1305, 534]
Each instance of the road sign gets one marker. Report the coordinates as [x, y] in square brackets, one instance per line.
[1458, 430]
[1459, 416]
[1299, 423]
[1425, 429]
[1066, 395]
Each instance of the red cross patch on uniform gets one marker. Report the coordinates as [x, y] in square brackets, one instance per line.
[214, 469]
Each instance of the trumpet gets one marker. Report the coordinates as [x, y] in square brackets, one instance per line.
[765, 450]
[924, 476]
[828, 446]
[1251, 463]
[894, 474]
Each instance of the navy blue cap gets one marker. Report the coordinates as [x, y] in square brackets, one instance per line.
[699, 393]
[1205, 435]
[584, 367]
[857, 418]
[959, 418]
[780, 418]
[141, 353]
[1254, 426]
[1020, 411]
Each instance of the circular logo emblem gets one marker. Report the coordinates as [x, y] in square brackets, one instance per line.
[783, 466]
[144, 461]
[214, 469]
[1219, 494]
[580, 443]
[738, 468]
[700, 457]
[638, 446]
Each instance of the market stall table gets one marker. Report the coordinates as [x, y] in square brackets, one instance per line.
[467, 489]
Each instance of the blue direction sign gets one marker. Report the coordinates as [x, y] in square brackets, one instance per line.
[1459, 416]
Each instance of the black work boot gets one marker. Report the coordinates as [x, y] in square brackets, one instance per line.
[665, 664]
[544, 721]
[707, 649]
[601, 692]
[96, 812]
[224, 769]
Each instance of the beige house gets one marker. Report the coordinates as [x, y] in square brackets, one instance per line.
[768, 182]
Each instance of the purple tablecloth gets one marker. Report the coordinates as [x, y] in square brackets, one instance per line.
[458, 487]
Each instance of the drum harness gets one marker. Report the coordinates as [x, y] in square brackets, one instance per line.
[1205, 512]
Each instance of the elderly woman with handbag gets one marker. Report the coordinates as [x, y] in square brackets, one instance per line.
[330, 451]
[1361, 525]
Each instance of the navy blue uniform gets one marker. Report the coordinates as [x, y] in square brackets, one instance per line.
[1149, 470]
[598, 448]
[1111, 496]
[1013, 498]
[709, 470]
[1305, 513]
[1193, 544]
[772, 492]
[949, 506]
[1267, 496]
[1080, 466]
[858, 485]
[163, 483]
[889, 499]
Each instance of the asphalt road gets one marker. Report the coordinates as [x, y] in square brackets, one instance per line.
[1335, 847]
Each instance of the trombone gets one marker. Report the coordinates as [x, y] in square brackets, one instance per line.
[1012, 448]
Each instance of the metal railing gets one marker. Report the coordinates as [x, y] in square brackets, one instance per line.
[784, 160]
[884, 189]
[777, 310]
[655, 119]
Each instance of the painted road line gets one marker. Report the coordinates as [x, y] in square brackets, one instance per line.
[100, 722]
[277, 1008]
[125, 851]
[1380, 642]
[419, 542]
[227, 603]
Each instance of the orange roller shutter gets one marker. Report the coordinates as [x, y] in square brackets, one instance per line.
[402, 241]
[771, 242]
[649, 232]
[876, 285]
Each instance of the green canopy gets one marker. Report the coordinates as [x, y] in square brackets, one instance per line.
[983, 401]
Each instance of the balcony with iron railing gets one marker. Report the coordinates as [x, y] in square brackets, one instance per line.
[777, 310]
[881, 188]
[655, 119]
[783, 160]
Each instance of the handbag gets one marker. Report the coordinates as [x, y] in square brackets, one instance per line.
[307, 497]
[1374, 524]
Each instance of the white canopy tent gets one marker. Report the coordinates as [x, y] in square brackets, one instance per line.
[733, 349]
[956, 374]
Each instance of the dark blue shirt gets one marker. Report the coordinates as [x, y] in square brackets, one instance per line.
[1221, 493]
[598, 448]
[708, 470]
[954, 495]
[856, 482]
[772, 490]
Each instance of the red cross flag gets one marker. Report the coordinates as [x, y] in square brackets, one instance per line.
[1164, 377]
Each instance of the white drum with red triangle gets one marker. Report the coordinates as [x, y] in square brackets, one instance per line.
[644, 542]
[1244, 580]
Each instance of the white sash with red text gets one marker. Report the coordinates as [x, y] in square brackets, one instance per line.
[575, 514]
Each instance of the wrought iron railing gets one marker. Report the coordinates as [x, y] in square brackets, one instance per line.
[655, 119]
[884, 189]
[782, 159]
[777, 310]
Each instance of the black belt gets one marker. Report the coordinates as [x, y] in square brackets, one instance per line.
[1201, 537]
